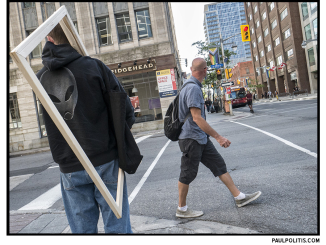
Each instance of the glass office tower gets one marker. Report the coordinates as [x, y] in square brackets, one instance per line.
[226, 17]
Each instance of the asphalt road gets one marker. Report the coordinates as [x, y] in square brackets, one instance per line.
[269, 160]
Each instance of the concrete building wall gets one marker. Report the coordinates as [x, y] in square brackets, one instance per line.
[308, 20]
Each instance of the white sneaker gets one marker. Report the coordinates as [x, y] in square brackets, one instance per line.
[189, 213]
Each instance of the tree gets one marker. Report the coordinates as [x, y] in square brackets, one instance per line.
[203, 49]
[253, 85]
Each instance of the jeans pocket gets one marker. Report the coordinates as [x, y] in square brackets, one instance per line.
[66, 181]
[109, 172]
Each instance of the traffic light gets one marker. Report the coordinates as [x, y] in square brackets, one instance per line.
[219, 75]
[186, 62]
[245, 33]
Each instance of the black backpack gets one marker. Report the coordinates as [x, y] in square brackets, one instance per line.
[172, 125]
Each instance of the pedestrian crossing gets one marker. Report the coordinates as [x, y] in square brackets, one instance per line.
[50, 197]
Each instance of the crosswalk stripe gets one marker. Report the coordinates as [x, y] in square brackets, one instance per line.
[47, 199]
[44, 201]
[17, 180]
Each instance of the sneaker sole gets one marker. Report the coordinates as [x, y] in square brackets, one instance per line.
[250, 200]
[185, 217]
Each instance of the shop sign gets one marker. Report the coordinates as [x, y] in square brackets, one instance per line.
[135, 68]
[166, 83]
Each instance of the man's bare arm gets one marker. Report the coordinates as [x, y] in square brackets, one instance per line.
[196, 115]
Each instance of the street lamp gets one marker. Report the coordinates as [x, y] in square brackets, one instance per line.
[304, 43]
[234, 47]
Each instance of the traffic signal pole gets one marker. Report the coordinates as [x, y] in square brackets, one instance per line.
[230, 104]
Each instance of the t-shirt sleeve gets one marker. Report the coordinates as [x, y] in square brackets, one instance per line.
[194, 98]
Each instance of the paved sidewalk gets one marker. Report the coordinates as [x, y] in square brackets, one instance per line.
[55, 222]
[287, 98]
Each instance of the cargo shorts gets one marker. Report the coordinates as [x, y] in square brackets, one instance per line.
[193, 153]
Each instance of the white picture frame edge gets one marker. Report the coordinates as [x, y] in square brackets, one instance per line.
[19, 55]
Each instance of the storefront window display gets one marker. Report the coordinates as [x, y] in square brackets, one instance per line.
[144, 95]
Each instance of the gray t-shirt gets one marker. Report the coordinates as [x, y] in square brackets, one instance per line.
[192, 96]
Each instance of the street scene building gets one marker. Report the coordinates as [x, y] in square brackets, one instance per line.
[276, 38]
[241, 72]
[134, 39]
[309, 19]
[226, 18]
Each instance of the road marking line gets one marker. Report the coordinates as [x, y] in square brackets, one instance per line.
[17, 180]
[149, 170]
[282, 140]
[142, 138]
[53, 167]
[47, 199]
[44, 201]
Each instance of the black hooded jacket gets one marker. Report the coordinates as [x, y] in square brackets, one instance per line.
[76, 85]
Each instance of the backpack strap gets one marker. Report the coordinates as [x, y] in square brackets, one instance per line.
[184, 85]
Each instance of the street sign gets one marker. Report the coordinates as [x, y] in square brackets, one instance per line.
[217, 66]
[227, 84]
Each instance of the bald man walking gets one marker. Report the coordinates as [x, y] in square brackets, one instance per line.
[196, 146]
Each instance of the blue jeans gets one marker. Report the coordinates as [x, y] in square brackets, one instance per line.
[82, 201]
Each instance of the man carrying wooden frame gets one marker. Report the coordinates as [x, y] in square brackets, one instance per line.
[81, 140]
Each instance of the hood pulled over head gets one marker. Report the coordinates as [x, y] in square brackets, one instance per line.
[57, 56]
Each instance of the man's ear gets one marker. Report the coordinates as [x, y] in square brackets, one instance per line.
[50, 39]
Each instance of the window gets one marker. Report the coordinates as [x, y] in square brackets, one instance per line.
[256, 58]
[286, 34]
[247, 71]
[76, 26]
[258, 71]
[257, 24]
[37, 52]
[14, 115]
[274, 24]
[259, 39]
[311, 56]
[248, 4]
[265, 32]
[304, 9]
[284, 14]
[263, 16]
[277, 41]
[268, 48]
[271, 63]
[314, 24]
[252, 30]
[39, 111]
[104, 30]
[143, 24]
[271, 6]
[313, 7]
[250, 17]
[254, 44]
[307, 31]
[28, 4]
[255, 10]
[124, 27]
[289, 54]
[262, 53]
[10, 59]
[279, 60]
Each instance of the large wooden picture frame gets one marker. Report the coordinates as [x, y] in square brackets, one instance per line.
[19, 55]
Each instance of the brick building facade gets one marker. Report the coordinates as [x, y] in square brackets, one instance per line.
[241, 71]
[276, 37]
